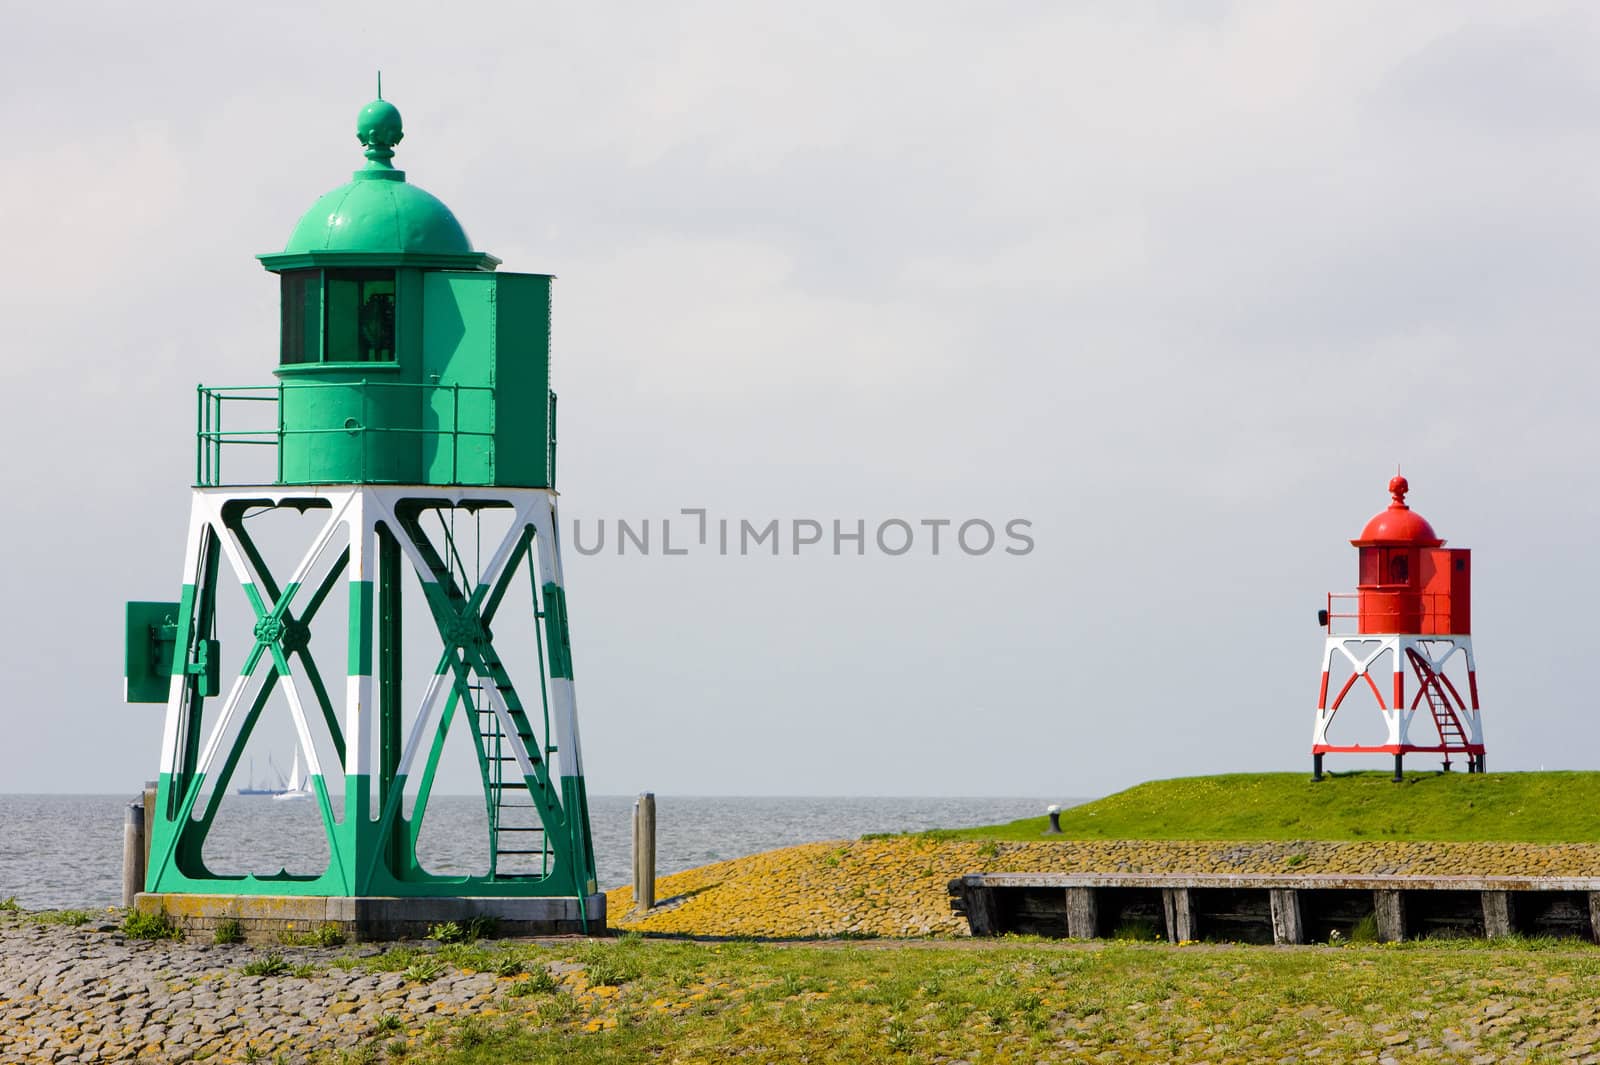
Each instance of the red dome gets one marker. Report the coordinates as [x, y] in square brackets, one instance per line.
[1399, 525]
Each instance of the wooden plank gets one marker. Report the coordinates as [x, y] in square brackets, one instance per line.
[1083, 917]
[1287, 926]
[1389, 908]
[1305, 882]
[1496, 914]
[1179, 909]
[983, 909]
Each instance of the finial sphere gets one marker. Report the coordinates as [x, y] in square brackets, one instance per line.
[378, 125]
[1398, 487]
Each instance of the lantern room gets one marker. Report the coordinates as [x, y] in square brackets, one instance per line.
[404, 356]
[1408, 581]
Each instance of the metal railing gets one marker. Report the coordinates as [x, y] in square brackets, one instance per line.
[213, 438]
[1435, 609]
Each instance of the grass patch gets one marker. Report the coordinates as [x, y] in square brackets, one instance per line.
[267, 965]
[611, 964]
[226, 932]
[474, 1032]
[453, 932]
[325, 935]
[1554, 807]
[393, 960]
[1025, 1001]
[538, 982]
[1136, 931]
[508, 963]
[140, 925]
[1365, 930]
[470, 956]
[70, 918]
[447, 932]
[10, 905]
[423, 971]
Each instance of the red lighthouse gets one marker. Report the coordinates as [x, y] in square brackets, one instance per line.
[1412, 619]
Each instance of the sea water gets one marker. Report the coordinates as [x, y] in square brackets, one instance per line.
[66, 850]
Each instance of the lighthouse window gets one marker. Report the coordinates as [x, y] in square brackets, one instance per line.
[302, 317]
[360, 316]
[1399, 569]
[1370, 564]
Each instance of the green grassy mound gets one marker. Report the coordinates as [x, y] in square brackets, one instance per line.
[1495, 807]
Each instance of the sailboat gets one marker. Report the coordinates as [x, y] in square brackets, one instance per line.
[299, 786]
[273, 787]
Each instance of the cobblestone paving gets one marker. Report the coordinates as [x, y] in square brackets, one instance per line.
[896, 886]
[87, 994]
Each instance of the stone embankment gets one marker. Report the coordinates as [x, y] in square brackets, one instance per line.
[896, 886]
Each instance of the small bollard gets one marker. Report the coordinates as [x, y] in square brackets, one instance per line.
[1055, 820]
[644, 852]
[132, 853]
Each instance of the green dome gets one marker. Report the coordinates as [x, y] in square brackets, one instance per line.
[379, 216]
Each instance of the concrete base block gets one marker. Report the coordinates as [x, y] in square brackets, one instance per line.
[262, 917]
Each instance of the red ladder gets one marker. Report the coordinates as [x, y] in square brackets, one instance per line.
[1451, 735]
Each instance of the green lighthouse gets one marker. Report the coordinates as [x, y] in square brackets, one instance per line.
[411, 433]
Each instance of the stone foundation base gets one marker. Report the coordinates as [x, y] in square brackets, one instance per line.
[263, 917]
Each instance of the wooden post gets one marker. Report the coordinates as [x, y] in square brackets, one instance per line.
[644, 852]
[1083, 918]
[132, 853]
[1496, 914]
[1179, 908]
[1389, 909]
[149, 822]
[983, 909]
[1287, 926]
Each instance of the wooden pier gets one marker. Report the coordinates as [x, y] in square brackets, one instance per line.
[1276, 908]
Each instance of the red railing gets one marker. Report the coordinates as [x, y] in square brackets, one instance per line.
[1343, 614]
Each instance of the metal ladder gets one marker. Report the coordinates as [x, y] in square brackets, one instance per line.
[1451, 735]
[518, 845]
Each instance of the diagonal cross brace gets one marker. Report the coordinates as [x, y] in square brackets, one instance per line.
[280, 633]
[463, 621]
[275, 639]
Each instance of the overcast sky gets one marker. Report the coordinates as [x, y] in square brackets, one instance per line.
[1177, 284]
